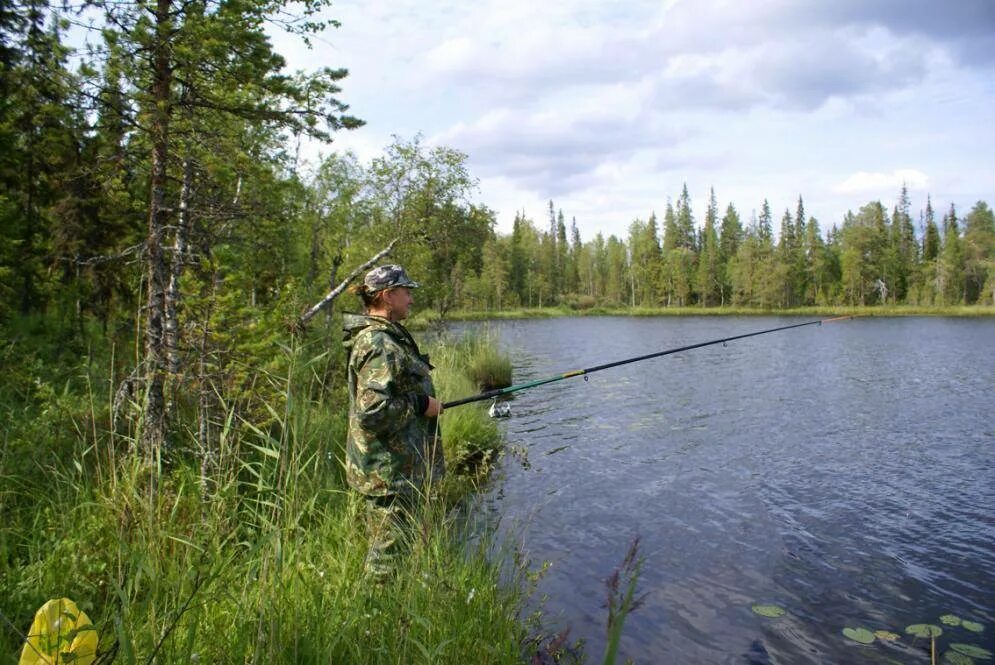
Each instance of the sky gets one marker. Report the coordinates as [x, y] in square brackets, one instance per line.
[609, 108]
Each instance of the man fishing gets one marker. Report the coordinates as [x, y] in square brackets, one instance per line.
[394, 447]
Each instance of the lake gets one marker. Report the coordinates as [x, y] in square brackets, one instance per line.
[845, 472]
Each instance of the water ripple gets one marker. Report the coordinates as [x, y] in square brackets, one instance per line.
[844, 472]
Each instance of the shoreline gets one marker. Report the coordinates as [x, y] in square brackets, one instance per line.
[963, 311]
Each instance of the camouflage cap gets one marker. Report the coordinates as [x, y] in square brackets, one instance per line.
[388, 277]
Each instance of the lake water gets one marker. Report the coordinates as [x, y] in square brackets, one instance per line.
[845, 472]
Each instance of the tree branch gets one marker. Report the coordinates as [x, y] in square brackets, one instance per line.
[304, 318]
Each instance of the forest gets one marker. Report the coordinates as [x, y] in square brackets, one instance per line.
[161, 236]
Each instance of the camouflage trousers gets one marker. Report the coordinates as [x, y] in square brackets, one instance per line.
[388, 523]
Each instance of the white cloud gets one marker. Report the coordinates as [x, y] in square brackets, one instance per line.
[863, 182]
[608, 108]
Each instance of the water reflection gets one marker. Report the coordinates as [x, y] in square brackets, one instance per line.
[844, 472]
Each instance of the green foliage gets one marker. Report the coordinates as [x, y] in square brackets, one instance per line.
[861, 635]
[472, 440]
[488, 369]
[622, 598]
[252, 551]
[972, 651]
[924, 630]
[769, 611]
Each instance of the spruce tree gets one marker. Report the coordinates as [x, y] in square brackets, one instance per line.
[951, 264]
[730, 237]
[929, 278]
[563, 271]
[817, 281]
[784, 264]
[576, 249]
[979, 254]
[708, 278]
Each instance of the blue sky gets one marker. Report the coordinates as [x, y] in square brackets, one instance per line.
[609, 108]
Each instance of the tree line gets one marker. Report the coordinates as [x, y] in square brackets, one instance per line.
[872, 257]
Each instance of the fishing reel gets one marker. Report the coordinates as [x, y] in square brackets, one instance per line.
[499, 409]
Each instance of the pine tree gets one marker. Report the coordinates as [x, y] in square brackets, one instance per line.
[817, 279]
[682, 258]
[951, 264]
[902, 256]
[563, 270]
[929, 279]
[708, 281]
[685, 221]
[730, 237]
[576, 248]
[784, 264]
[670, 247]
[518, 261]
[765, 224]
[800, 268]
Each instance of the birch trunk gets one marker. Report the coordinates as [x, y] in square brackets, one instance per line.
[180, 242]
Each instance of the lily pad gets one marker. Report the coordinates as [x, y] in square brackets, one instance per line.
[769, 611]
[950, 620]
[972, 651]
[861, 635]
[924, 630]
[954, 658]
[886, 635]
[972, 626]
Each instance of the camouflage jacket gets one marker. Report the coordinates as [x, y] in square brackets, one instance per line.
[392, 448]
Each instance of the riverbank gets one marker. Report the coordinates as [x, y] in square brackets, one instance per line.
[250, 551]
[553, 312]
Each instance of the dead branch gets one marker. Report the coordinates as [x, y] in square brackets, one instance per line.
[304, 318]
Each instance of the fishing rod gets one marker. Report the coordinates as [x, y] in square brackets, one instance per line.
[498, 392]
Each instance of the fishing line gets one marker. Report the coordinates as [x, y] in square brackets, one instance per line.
[498, 392]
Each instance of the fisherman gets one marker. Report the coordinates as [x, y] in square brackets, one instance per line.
[394, 447]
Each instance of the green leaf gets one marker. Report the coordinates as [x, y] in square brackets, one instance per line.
[269, 452]
[950, 620]
[972, 651]
[954, 658]
[861, 635]
[924, 630]
[973, 626]
[769, 611]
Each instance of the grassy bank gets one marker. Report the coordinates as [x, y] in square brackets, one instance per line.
[253, 553]
[878, 311]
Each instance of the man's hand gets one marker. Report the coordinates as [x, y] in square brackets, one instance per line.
[434, 408]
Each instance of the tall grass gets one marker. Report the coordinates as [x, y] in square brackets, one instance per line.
[262, 562]
[256, 557]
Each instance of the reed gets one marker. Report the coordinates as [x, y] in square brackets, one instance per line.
[256, 556]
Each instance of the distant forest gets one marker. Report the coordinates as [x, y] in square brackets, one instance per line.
[871, 257]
